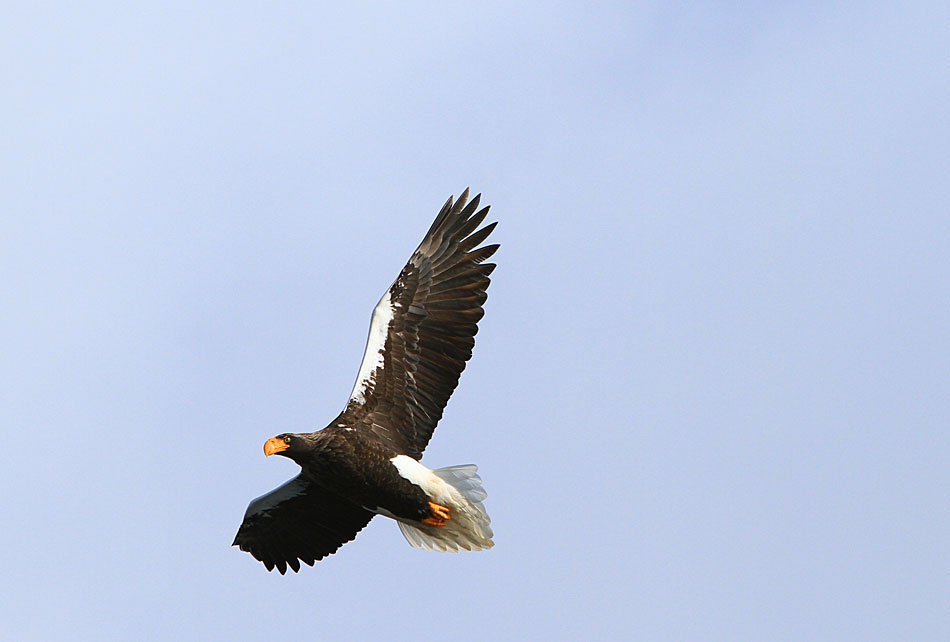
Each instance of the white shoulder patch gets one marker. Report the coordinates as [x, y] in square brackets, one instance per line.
[375, 344]
[264, 503]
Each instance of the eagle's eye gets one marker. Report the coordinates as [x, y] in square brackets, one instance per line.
[287, 440]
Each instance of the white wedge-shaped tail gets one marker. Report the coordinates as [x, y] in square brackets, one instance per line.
[458, 488]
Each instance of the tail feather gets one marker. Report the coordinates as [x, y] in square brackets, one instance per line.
[465, 479]
[469, 528]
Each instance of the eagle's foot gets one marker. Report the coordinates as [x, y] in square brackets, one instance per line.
[440, 515]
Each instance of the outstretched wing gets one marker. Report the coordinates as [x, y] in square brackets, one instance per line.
[423, 331]
[296, 522]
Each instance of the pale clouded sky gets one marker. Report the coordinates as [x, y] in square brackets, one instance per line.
[709, 396]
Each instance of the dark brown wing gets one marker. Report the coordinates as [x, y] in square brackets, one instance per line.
[298, 521]
[423, 331]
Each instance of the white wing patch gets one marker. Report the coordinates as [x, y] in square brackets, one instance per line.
[375, 344]
[264, 503]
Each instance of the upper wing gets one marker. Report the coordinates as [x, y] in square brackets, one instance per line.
[298, 520]
[423, 331]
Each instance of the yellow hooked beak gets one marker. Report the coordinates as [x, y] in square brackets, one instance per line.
[274, 445]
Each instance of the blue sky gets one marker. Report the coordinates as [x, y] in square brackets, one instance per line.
[709, 396]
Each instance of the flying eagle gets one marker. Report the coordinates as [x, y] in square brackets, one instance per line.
[366, 462]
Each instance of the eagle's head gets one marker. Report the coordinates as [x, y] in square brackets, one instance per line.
[286, 444]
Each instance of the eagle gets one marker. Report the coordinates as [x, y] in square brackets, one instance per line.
[366, 461]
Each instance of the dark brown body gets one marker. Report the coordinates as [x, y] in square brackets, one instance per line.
[359, 469]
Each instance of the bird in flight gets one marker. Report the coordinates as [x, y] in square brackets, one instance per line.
[366, 461]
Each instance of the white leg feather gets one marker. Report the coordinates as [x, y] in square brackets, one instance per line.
[458, 488]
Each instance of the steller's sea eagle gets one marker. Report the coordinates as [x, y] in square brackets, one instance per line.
[366, 462]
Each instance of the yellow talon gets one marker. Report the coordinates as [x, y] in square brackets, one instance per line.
[440, 514]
